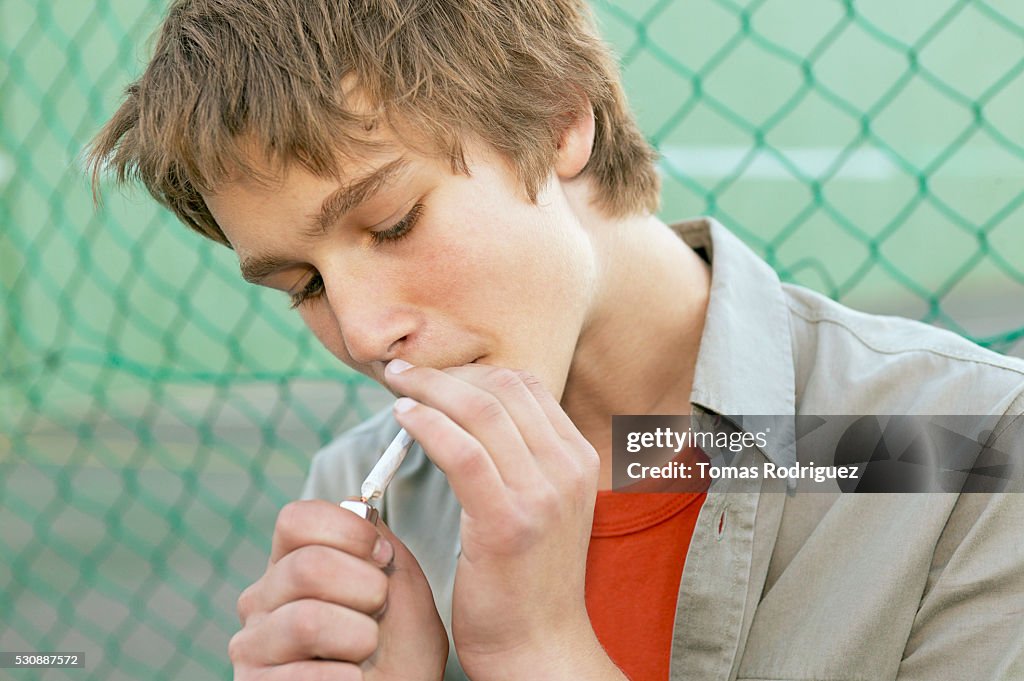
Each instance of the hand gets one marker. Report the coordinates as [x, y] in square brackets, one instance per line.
[527, 481]
[340, 599]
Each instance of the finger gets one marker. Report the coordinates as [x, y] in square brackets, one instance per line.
[518, 391]
[562, 454]
[311, 670]
[303, 630]
[557, 417]
[479, 412]
[318, 572]
[580, 450]
[470, 470]
[546, 429]
[558, 447]
[401, 558]
[301, 523]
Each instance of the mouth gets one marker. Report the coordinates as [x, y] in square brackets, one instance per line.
[380, 376]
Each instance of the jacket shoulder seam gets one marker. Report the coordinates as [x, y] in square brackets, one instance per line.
[948, 353]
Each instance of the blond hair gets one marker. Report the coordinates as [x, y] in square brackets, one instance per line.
[513, 73]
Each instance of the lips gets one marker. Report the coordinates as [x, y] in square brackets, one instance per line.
[478, 360]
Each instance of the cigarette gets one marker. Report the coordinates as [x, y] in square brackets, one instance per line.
[384, 470]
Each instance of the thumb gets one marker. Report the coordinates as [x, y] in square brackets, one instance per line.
[412, 635]
[390, 553]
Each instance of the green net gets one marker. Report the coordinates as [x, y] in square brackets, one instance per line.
[156, 412]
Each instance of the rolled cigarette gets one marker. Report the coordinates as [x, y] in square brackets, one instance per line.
[384, 470]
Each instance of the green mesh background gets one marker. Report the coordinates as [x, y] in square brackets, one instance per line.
[156, 411]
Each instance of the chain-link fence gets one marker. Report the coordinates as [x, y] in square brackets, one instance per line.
[156, 411]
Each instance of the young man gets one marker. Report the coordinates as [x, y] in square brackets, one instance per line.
[461, 207]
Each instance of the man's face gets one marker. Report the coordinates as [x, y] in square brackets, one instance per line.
[437, 268]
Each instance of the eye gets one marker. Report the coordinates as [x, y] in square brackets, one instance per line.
[313, 289]
[399, 229]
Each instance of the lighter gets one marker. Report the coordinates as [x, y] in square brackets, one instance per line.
[362, 509]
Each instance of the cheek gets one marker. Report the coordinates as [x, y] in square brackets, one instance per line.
[450, 265]
[319, 318]
[524, 266]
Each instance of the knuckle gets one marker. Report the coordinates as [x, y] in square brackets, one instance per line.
[305, 623]
[376, 587]
[364, 637]
[593, 470]
[529, 380]
[523, 526]
[545, 503]
[524, 538]
[467, 457]
[290, 519]
[236, 648]
[585, 469]
[246, 604]
[503, 378]
[590, 461]
[306, 571]
[484, 407]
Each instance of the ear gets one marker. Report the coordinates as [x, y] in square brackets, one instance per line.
[576, 145]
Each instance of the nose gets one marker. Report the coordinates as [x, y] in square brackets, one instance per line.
[374, 322]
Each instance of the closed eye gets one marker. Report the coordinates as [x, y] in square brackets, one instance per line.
[314, 288]
[400, 229]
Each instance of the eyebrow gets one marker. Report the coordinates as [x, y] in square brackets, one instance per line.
[256, 268]
[338, 203]
[346, 198]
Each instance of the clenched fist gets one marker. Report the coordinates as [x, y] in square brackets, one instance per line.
[341, 599]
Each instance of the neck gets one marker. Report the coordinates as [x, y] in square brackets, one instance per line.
[637, 351]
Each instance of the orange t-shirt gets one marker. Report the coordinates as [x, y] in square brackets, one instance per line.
[637, 550]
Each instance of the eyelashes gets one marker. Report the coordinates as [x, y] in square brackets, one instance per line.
[400, 228]
[314, 288]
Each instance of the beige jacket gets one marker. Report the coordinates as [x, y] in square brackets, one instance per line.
[799, 586]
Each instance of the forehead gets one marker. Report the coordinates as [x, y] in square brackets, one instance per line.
[274, 208]
[263, 189]
[260, 163]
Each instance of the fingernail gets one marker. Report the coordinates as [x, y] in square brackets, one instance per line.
[397, 366]
[383, 552]
[404, 404]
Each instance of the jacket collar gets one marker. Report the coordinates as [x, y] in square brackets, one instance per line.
[745, 367]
